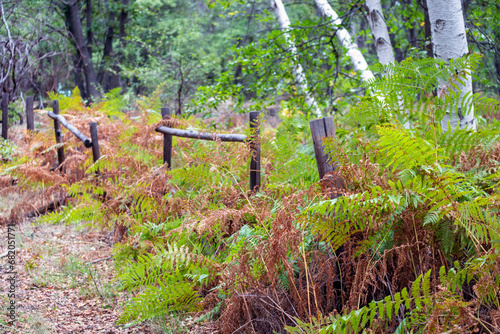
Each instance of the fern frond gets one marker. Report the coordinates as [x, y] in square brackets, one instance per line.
[173, 294]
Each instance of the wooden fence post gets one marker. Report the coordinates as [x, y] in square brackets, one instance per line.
[167, 140]
[95, 141]
[5, 115]
[30, 119]
[255, 146]
[320, 129]
[59, 135]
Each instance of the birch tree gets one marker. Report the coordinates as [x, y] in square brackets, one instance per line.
[380, 33]
[450, 42]
[300, 78]
[383, 43]
[358, 61]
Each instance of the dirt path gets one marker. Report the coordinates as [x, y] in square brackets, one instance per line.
[59, 289]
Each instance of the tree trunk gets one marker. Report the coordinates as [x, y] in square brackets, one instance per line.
[358, 61]
[380, 33]
[79, 76]
[88, 10]
[449, 42]
[427, 26]
[75, 27]
[383, 43]
[302, 86]
[123, 20]
[109, 79]
[497, 68]
[412, 32]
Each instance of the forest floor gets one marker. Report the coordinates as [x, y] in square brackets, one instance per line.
[65, 281]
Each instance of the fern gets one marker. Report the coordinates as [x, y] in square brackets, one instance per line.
[173, 294]
[412, 305]
[166, 283]
[153, 269]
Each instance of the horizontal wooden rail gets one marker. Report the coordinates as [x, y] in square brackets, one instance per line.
[252, 139]
[201, 135]
[85, 140]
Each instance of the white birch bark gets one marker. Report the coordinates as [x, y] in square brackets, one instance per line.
[383, 45]
[358, 61]
[300, 78]
[380, 33]
[449, 42]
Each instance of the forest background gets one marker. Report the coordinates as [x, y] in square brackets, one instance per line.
[182, 48]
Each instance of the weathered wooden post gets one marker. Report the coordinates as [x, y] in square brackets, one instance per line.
[95, 141]
[30, 118]
[5, 115]
[59, 135]
[167, 140]
[255, 149]
[320, 129]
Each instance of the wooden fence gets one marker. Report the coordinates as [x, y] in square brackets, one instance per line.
[320, 129]
[60, 120]
[4, 105]
[254, 142]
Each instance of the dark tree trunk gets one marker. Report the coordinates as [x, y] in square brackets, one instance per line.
[427, 26]
[497, 55]
[465, 8]
[79, 76]
[75, 27]
[123, 20]
[109, 79]
[412, 33]
[88, 9]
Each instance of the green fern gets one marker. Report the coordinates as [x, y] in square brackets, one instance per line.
[166, 283]
[412, 306]
[173, 294]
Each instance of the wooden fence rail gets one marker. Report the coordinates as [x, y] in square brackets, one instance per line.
[320, 129]
[58, 120]
[201, 135]
[253, 140]
[85, 140]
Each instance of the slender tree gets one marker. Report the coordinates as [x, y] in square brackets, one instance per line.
[358, 61]
[450, 42]
[380, 33]
[383, 43]
[302, 86]
[74, 25]
[109, 79]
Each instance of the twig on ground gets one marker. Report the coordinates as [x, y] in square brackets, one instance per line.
[99, 260]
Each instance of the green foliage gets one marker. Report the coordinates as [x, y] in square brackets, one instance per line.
[72, 102]
[389, 170]
[413, 306]
[79, 215]
[166, 282]
[7, 150]
[292, 154]
[114, 103]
